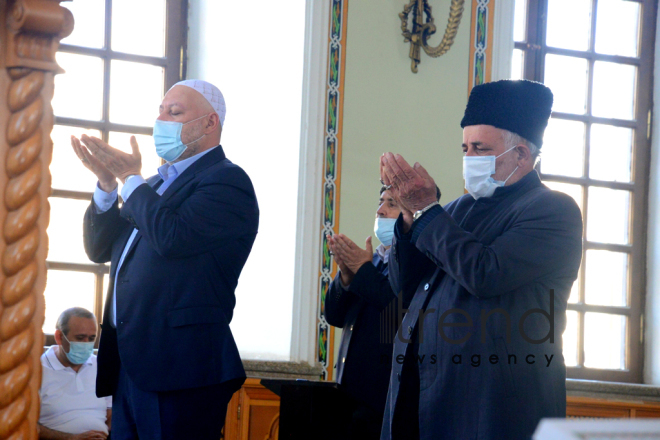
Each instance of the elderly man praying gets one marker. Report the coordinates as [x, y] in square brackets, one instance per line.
[176, 248]
[490, 273]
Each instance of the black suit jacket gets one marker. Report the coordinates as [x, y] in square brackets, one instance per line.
[367, 315]
[175, 292]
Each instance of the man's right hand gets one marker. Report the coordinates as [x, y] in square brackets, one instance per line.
[107, 181]
[90, 435]
[345, 273]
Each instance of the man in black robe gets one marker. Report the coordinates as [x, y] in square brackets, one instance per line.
[479, 352]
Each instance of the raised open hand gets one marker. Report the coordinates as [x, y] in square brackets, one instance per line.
[120, 164]
[411, 186]
[107, 180]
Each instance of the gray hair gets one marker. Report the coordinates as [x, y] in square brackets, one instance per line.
[63, 321]
[512, 139]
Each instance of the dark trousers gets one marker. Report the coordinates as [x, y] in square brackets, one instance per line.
[197, 413]
[361, 421]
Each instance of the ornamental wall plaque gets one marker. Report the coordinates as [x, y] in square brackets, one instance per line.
[422, 29]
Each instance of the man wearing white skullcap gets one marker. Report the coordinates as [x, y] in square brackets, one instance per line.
[176, 248]
[212, 94]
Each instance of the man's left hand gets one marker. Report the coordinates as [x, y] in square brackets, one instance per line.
[116, 161]
[351, 254]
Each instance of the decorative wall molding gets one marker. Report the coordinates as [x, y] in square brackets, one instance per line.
[331, 174]
[31, 31]
[481, 42]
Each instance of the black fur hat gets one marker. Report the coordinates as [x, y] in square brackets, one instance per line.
[522, 107]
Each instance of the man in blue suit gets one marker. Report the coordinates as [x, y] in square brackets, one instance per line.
[176, 246]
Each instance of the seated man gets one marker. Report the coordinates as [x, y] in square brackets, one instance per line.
[70, 409]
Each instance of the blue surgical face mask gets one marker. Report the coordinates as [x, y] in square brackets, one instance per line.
[384, 230]
[478, 171]
[167, 137]
[79, 352]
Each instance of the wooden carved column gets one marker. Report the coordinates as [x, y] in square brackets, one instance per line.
[30, 31]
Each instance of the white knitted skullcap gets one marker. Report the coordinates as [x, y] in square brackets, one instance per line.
[212, 94]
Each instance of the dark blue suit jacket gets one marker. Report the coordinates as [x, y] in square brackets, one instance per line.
[503, 254]
[175, 292]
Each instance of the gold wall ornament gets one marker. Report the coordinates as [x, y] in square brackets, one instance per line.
[423, 30]
[30, 31]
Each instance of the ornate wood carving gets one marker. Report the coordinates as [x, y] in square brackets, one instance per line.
[31, 31]
[34, 31]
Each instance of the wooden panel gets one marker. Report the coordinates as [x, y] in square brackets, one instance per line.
[261, 417]
[578, 407]
[646, 414]
[253, 413]
[230, 431]
[596, 412]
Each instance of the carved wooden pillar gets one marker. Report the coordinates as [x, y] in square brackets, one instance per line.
[30, 31]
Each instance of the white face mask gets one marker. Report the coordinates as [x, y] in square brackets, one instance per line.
[478, 171]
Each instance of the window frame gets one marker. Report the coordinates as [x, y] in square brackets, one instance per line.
[174, 64]
[534, 50]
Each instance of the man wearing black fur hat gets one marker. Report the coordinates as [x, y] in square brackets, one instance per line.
[479, 352]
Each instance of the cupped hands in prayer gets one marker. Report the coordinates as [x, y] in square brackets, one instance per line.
[412, 186]
[106, 162]
[349, 256]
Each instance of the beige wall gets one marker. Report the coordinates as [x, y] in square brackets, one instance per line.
[388, 108]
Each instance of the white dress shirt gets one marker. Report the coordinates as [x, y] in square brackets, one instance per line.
[68, 398]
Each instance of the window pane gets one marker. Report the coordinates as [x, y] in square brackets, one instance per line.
[79, 91]
[604, 341]
[65, 231]
[569, 24]
[608, 215]
[519, 20]
[574, 191]
[610, 153]
[66, 170]
[150, 160]
[262, 332]
[65, 289]
[89, 29]
[138, 27]
[136, 91]
[570, 339]
[567, 78]
[614, 89]
[606, 278]
[617, 27]
[573, 298]
[563, 148]
[517, 64]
